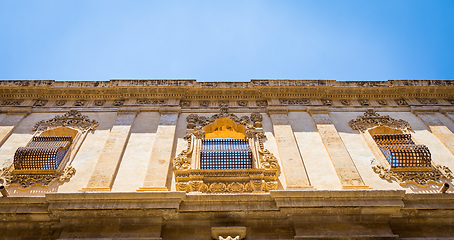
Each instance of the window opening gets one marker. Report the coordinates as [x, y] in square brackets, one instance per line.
[225, 153]
[400, 151]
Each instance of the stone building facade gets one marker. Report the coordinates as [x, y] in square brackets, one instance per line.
[265, 159]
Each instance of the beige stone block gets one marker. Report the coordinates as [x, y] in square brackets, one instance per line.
[134, 163]
[343, 164]
[438, 129]
[159, 164]
[292, 162]
[320, 169]
[110, 158]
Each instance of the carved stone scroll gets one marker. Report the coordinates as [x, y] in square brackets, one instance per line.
[72, 119]
[420, 178]
[8, 178]
[371, 119]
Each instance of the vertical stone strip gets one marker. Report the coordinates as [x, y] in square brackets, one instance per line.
[160, 160]
[110, 158]
[436, 127]
[11, 120]
[342, 161]
[291, 160]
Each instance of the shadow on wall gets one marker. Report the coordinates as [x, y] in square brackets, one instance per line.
[431, 188]
[35, 191]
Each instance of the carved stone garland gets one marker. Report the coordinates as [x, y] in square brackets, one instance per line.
[371, 119]
[262, 178]
[72, 119]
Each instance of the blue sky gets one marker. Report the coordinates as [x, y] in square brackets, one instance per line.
[227, 40]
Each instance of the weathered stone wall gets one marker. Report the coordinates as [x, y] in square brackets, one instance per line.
[141, 129]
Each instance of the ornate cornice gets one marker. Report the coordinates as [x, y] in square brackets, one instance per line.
[291, 92]
[371, 119]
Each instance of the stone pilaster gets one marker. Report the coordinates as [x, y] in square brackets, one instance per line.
[427, 115]
[112, 152]
[160, 160]
[12, 119]
[345, 168]
[292, 162]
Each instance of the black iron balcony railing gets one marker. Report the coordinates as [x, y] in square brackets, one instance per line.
[225, 154]
[401, 152]
[45, 152]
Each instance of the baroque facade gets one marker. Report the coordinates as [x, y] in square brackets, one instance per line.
[265, 159]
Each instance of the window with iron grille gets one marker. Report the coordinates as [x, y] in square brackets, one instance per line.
[401, 151]
[43, 152]
[226, 153]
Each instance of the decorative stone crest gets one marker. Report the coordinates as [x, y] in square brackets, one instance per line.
[420, 178]
[40, 103]
[60, 103]
[204, 103]
[294, 101]
[149, 102]
[382, 102]
[242, 103]
[185, 103]
[364, 102]
[428, 101]
[99, 102]
[11, 102]
[372, 119]
[401, 102]
[8, 178]
[118, 103]
[223, 103]
[72, 119]
[262, 103]
[327, 102]
[195, 120]
[345, 102]
[79, 103]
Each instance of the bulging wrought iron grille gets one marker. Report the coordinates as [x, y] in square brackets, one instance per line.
[44, 152]
[225, 153]
[401, 151]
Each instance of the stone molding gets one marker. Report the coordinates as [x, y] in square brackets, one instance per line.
[290, 92]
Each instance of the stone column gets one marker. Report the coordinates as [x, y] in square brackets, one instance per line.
[427, 115]
[342, 161]
[291, 159]
[160, 160]
[12, 119]
[110, 158]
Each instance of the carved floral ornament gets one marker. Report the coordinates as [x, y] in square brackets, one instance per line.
[434, 175]
[262, 177]
[72, 119]
[371, 119]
